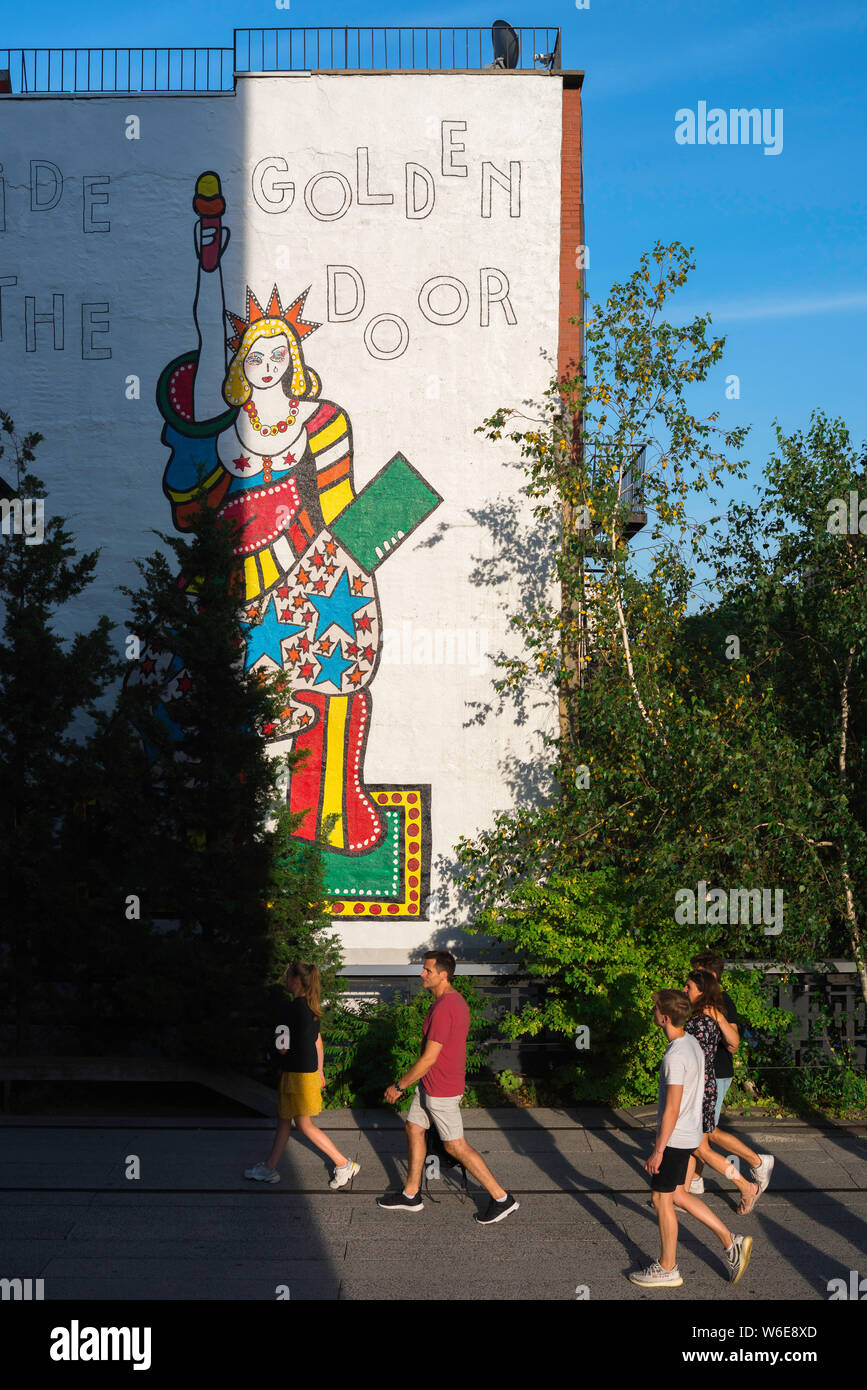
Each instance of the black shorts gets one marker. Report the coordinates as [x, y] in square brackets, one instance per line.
[672, 1170]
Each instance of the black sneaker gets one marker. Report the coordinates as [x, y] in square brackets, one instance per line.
[398, 1201]
[496, 1211]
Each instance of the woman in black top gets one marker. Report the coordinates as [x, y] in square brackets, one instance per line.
[761, 1165]
[708, 1024]
[302, 1078]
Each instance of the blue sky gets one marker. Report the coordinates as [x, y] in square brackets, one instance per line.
[779, 239]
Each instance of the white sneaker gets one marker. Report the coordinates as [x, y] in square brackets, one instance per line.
[655, 1277]
[696, 1187]
[262, 1174]
[738, 1256]
[762, 1174]
[344, 1175]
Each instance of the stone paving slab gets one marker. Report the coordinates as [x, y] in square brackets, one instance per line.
[196, 1284]
[855, 1202]
[584, 1218]
[592, 1118]
[93, 1143]
[18, 1254]
[322, 1205]
[31, 1224]
[536, 1141]
[614, 1142]
[307, 1170]
[22, 1198]
[156, 1225]
[76, 1169]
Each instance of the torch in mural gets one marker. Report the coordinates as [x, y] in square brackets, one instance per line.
[253, 435]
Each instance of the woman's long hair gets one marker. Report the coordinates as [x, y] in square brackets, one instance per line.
[711, 994]
[311, 985]
[300, 382]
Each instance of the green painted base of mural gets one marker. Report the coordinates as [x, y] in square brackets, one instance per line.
[392, 881]
[372, 875]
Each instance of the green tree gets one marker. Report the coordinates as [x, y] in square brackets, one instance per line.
[612, 644]
[371, 1043]
[795, 578]
[296, 903]
[220, 858]
[47, 687]
[666, 752]
[600, 963]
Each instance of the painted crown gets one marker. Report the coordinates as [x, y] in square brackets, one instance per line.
[275, 310]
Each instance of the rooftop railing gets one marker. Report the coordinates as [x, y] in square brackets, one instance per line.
[381, 49]
[103, 71]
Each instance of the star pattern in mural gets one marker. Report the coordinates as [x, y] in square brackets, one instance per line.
[319, 626]
[332, 668]
[264, 638]
[324, 605]
[338, 608]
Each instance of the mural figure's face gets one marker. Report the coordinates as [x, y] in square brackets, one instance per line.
[267, 362]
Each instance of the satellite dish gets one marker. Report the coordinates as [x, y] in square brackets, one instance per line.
[507, 45]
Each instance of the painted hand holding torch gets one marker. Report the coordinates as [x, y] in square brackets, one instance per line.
[211, 238]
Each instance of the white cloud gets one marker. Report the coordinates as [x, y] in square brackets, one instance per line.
[796, 307]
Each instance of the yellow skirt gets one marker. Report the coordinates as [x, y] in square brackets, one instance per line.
[300, 1094]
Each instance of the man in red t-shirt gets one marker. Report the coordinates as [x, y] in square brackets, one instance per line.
[441, 1069]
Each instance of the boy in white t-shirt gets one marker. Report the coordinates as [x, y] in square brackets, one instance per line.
[679, 1132]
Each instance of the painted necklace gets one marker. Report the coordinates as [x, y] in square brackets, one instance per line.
[281, 426]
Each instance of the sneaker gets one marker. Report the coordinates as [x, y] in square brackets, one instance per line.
[344, 1175]
[496, 1211]
[655, 1277]
[762, 1174]
[696, 1187]
[398, 1201]
[261, 1173]
[738, 1257]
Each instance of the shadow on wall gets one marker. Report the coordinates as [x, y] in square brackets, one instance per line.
[519, 566]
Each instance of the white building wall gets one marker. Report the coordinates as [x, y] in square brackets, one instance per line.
[106, 222]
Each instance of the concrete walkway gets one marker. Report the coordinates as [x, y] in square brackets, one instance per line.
[191, 1227]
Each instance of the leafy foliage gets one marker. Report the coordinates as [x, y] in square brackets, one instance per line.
[678, 760]
[47, 686]
[167, 857]
[601, 964]
[300, 925]
[248, 897]
[799, 593]
[371, 1043]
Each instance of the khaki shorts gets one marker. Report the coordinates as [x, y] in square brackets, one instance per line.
[444, 1110]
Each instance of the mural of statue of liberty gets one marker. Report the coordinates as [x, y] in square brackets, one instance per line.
[252, 434]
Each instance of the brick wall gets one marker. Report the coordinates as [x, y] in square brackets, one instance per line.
[571, 230]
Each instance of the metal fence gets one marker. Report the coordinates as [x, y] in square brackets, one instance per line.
[830, 1026]
[634, 470]
[381, 49]
[830, 1017]
[104, 71]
